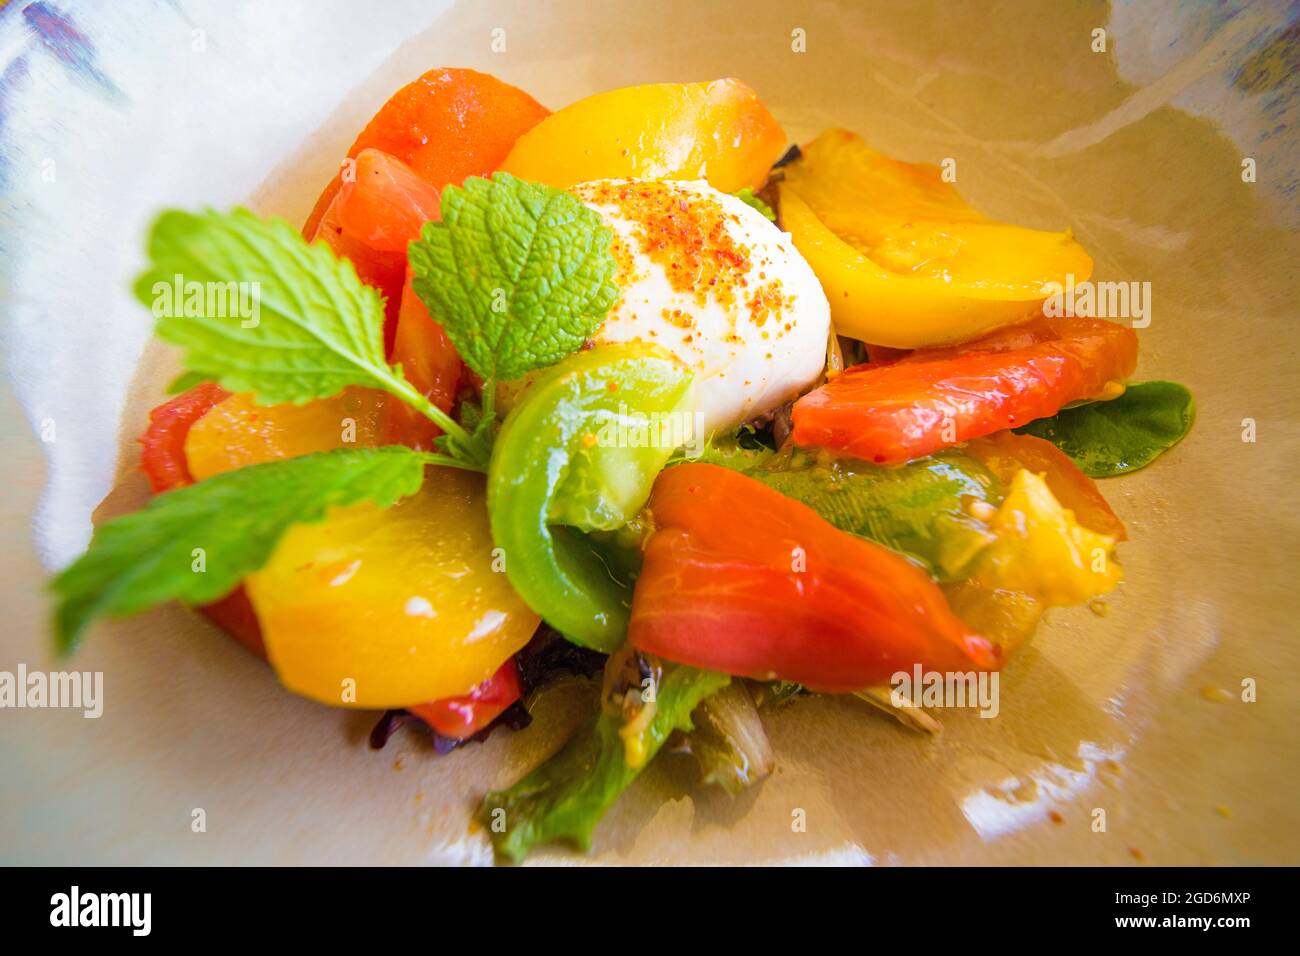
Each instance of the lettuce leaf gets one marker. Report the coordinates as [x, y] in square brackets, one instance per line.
[566, 796]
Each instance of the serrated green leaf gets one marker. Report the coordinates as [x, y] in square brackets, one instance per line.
[259, 310]
[518, 274]
[236, 518]
[566, 796]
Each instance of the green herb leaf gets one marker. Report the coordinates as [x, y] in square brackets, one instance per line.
[518, 274]
[258, 309]
[236, 518]
[566, 796]
[747, 196]
[1124, 434]
[919, 509]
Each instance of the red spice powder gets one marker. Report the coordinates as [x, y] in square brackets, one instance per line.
[687, 235]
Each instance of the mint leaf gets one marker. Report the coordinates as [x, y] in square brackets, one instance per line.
[236, 518]
[747, 196]
[258, 309]
[1123, 434]
[518, 274]
[566, 796]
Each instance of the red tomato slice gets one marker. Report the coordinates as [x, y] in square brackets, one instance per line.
[461, 717]
[384, 270]
[447, 125]
[386, 204]
[234, 614]
[741, 579]
[430, 363]
[933, 398]
[162, 458]
[444, 127]
[371, 221]
[163, 462]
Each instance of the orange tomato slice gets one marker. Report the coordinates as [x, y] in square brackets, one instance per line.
[447, 125]
[719, 131]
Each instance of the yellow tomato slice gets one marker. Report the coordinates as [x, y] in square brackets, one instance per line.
[1042, 550]
[1007, 618]
[238, 432]
[1040, 557]
[719, 131]
[385, 608]
[904, 261]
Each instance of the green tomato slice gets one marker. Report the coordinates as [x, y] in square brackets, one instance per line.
[579, 453]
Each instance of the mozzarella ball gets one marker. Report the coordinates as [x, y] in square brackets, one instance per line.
[708, 278]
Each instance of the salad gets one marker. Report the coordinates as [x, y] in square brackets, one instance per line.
[633, 393]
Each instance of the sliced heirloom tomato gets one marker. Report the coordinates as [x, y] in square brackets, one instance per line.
[164, 463]
[207, 431]
[741, 579]
[430, 363]
[382, 608]
[718, 131]
[402, 600]
[1042, 555]
[464, 716]
[935, 398]
[385, 204]
[1006, 453]
[162, 455]
[447, 125]
[904, 261]
[238, 432]
[578, 453]
[371, 220]
[1039, 547]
